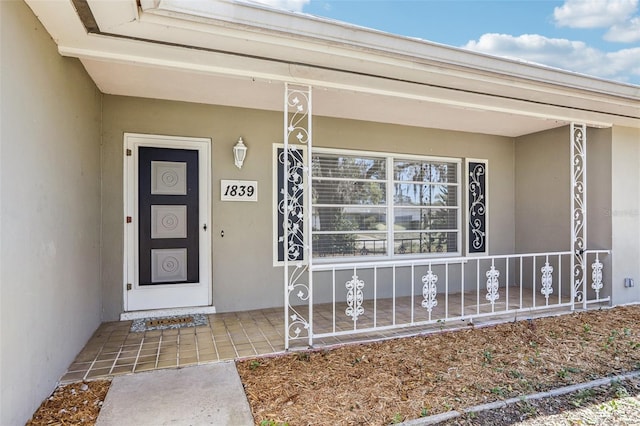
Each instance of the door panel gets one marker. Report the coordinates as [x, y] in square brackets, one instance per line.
[167, 201]
[168, 216]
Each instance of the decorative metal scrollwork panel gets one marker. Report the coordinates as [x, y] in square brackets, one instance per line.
[547, 281]
[298, 292]
[476, 172]
[298, 110]
[492, 285]
[429, 290]
[596, 276]
[578, 209]
[293, 211]
[355, 297]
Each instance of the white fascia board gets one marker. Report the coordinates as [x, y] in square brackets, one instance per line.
[111, 14]
[60, 19]
[63, 24]
[268, 22]
[223, 65]
[205, 35]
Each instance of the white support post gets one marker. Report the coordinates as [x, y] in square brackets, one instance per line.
[578, 212]
[297, 207]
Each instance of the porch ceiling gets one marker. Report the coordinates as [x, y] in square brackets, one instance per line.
[227, 53]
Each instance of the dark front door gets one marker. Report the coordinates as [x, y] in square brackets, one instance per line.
[168, 209]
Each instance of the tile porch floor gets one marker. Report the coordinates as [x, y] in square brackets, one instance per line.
[114, 350]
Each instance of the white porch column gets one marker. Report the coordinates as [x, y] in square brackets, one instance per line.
[296, 240]
[578, 212]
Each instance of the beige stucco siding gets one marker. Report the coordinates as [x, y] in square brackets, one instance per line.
[542, 192]
[243, 273]
[50, 229]
[625, 213]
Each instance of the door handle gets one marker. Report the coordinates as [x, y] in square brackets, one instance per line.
[205, 227]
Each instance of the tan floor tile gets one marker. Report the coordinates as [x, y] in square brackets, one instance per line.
[145, 366]
[222, 341]
[206, 344]
[168, 351]
[187, 361]
[107, 356]
[187, 354]
[226, 354]
[244, 352]
[128, 354]
[79, 366]
[147, 352]
[167, 363]
[168, 357]
[224, 347]
[73, 376]
[208, 357]
[146, 359]
[187, 346]
[207, 350]
[125, 361]
[103, 364]
[122, 369]
[133, 347]
[100, 372]
[244, 345]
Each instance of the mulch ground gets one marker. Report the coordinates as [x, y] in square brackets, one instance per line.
[397, 380]
[393, 381]
[73, 404]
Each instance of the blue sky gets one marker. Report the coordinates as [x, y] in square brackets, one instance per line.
[594, 37]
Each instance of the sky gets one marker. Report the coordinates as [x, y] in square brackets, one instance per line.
[600, 38]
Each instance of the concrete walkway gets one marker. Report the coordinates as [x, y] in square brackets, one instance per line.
[209, 394]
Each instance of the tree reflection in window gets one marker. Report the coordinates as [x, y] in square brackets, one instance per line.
[351, 206]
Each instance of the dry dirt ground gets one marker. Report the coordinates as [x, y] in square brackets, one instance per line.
[398, 380]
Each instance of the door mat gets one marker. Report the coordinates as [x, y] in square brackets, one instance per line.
[166, 323]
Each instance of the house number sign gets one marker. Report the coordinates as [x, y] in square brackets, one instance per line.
[238, 190]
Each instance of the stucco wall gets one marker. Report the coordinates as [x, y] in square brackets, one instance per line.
[625, 213]
[542, 192]
[50, 213]
[243, 272]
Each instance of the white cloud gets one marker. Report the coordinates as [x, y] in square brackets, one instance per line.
[628, 32]
[294, 5]
[594, 13]
[565, 54]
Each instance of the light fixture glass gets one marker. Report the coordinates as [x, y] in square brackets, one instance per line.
[239, 153]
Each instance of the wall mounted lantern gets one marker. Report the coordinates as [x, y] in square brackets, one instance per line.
[239, 153]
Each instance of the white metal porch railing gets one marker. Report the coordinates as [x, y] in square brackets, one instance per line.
[365, 297]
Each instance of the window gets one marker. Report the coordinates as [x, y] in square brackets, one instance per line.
[384, 205]
[295, 208]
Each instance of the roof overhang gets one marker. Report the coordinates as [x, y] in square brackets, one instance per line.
[238, 54]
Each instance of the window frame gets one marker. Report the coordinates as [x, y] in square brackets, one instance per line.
[485, 205]
[390, 205]
[275, 200]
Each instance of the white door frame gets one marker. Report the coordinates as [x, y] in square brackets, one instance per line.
[137, 297]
